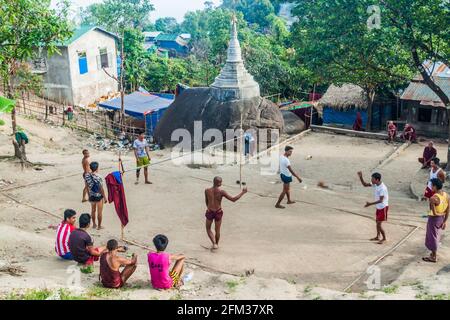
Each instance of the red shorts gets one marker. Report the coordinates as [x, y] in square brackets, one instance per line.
[92, 259]
[382, 214]
[428, 193]
[214, 215]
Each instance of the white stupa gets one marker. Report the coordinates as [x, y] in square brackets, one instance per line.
[234, 81]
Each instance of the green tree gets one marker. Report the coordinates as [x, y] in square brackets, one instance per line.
[332, 38]
[338, 39]
[115, 15]
[26, 25]
[135, 58]
[167, 25]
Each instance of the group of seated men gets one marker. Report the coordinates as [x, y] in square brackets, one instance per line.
[76, 244]
[408, 134]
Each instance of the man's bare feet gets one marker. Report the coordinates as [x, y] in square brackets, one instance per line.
[94, 226]
[137, 182]
[215, 247]
[375, 239]
[382, 241]
[148, 182]
[100, 228]
[279, 206]
[84, 200]
[290, 202]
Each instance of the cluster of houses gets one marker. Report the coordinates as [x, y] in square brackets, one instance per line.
[417, 105]
[88, 62]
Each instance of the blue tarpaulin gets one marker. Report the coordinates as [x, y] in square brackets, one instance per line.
[345, 118]
[139, 104]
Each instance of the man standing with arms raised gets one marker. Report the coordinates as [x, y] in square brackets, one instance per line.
[286, 174]
[141, 152]
[214, 213]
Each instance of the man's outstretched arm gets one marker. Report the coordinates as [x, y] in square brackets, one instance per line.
[236, 198]
[365, 184]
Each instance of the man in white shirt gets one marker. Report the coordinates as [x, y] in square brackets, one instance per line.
[141, 152]
[286, 174]
[381, 203]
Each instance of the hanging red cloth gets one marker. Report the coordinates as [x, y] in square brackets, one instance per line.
[116, 194]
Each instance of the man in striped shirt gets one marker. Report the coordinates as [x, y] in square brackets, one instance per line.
[62, 234]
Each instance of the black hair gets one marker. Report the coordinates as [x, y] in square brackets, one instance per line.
[84, 151]
[216, 180]
[288, 148]
[85, 220]
[437, 183]
[112, 245]
[436, 160]
[141, 132]
[94, 166]
[376, 176]
[69, 213]
[160, 242]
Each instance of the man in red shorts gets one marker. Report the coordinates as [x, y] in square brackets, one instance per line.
[214, 213]
[381, 203]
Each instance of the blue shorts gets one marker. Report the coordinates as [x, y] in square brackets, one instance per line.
[67, 256]
[285, 179]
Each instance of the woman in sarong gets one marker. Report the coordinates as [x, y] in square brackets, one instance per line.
[437, 219]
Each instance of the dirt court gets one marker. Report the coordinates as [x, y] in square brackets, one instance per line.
[322, 240]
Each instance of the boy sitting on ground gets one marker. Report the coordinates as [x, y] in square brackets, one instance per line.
[159, 264]
[82, 247]
[110, 264]
[63, 232]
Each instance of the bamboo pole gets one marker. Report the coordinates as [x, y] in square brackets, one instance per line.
[240, 154]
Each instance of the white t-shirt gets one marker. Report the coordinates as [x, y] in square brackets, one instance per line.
[284, 164]
[140, 147]
[380, 191]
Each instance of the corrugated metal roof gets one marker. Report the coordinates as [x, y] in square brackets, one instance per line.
[418, 91]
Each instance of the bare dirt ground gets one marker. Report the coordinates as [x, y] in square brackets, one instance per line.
[314, 249]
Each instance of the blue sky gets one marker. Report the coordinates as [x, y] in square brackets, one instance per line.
[163, 8]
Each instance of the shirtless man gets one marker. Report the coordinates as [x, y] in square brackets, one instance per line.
[110, 264]
[214, 213]
[85, 163]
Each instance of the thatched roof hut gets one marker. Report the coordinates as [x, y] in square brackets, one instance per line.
[344, 97]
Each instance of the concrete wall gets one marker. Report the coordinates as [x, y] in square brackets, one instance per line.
[57, 80]
[95, 83]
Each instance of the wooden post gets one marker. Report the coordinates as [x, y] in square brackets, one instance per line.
[122, 232]
[145, 123]
[85, 118]
[106, 126]
[46, 110]
[240, 154]
[23, 103]
[63, 113]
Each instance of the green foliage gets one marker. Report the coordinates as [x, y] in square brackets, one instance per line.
[2, 122]
[390, 289]
[115, 15]
[167, 25]
[334, 40]
[99, 291]
[31, 294]
[24, 26]
[136, 58]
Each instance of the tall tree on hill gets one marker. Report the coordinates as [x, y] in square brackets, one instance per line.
[360, 39]
[26, 25]
[167, 25]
